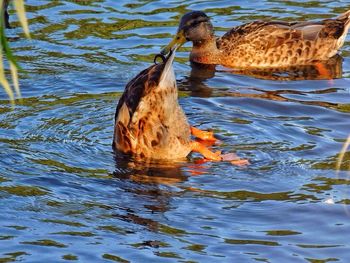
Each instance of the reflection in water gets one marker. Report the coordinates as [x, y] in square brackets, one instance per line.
[195, 81]
[65, 196]
[331, 69]
[147, 181]
[147, 172]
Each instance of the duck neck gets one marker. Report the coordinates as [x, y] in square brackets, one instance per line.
[205, 51]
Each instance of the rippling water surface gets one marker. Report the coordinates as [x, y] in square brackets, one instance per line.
[63, 196]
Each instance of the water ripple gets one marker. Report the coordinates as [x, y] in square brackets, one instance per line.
[66, 196]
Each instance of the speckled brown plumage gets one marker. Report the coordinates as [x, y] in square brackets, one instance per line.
[149, 122]
[263, 44]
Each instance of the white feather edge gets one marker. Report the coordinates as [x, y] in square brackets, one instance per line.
[168, 74]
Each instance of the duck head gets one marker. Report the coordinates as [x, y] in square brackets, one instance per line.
[194, 26]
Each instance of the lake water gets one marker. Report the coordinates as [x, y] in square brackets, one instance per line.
[64, 196]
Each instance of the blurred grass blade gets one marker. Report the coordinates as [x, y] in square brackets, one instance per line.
[14, 74]
[342, 153]
[19, 6]
[5, 45]
[5, 50]
[3, 80]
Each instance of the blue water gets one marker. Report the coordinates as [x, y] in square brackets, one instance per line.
[64, 196]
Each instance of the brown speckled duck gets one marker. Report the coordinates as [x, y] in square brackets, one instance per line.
[262, 44]
[150, 123]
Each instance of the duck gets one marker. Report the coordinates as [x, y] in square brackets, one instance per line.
[261, 44]
[150, 123]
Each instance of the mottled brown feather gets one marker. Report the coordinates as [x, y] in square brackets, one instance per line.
[149, 122]
[274, 44]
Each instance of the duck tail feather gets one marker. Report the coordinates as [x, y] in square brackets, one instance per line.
[345, 16]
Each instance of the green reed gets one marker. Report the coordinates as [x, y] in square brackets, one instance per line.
[6, 54]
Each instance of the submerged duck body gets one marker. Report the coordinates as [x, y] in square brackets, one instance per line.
[262, 44]
[149, 122]
[151, 125]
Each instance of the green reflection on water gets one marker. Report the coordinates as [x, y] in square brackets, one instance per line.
[51, 100]
[151, 243]
[306, 4]
[63, 222]
[77, 12]
[259, 197]
[251, 242]
[330, 163]
[39, 20]
[3, 179]
[196, 247]
[114, 258]
[69, 257]
[241, 121]
[313, 260]
[13, 256]
[85, 3]
[45, 242]
[18, 227]
[343, 107]
[46, 33]
[175, 9]
[75, 233]
[64, 32]
[96, 28]
[166, 254]
[171, 230]
[6, 237]
[113, 229]
[281, 233]
[69, 169]
[316, 246]
[21, 190]
[48, 5]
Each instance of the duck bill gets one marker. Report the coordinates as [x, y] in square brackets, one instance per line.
[177, 42]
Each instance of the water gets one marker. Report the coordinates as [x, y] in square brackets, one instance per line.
[65, 197]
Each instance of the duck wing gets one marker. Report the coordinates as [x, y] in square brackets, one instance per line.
[138, 87]
[260, 37]
[128, 103]
[149, 121]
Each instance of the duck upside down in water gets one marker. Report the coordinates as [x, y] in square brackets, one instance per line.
[262, 44]
[150, 123]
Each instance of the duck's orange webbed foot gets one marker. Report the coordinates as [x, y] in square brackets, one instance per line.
[203, 135]
[208, 154]
[217, 156]
[234, 159]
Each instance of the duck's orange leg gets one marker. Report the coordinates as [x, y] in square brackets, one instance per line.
[198, 147]
[203, 135]
[323, 71]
